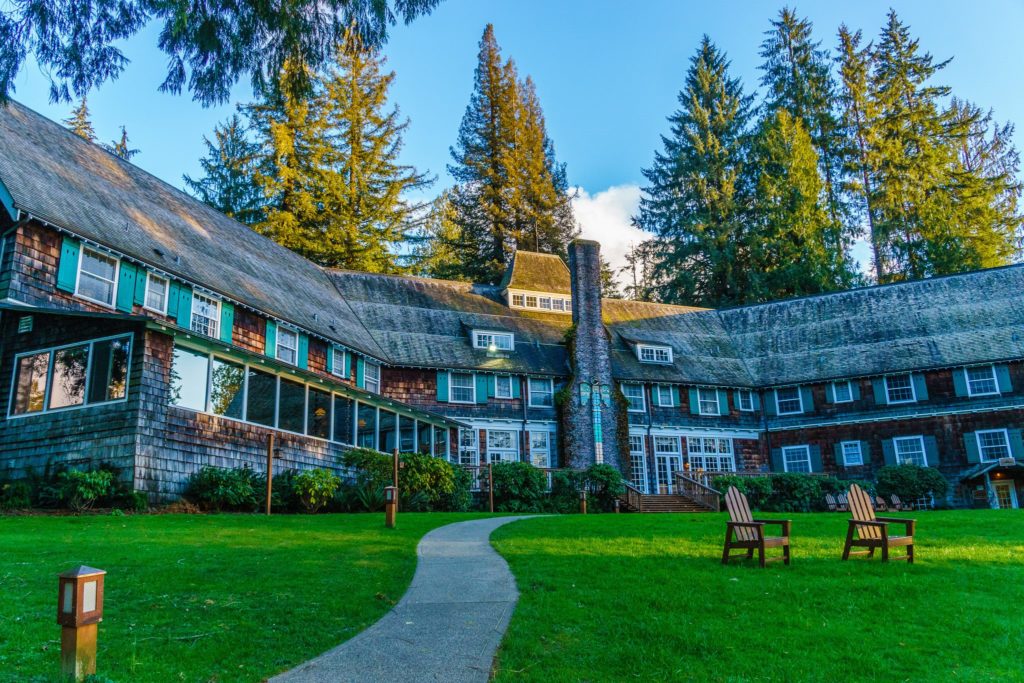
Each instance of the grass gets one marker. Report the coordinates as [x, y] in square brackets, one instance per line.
[644, 597]
[203, 597]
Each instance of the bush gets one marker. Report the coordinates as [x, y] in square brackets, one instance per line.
[460, 499]
[756, 489]
[370, 497]
[793, 492]
[424, 482]
[604, 486]
[80, 490]
[315, 488]
[911, 482]
[213, 488]
[565, 491]
[373, 468]
[518, 487]
[15, 495]
[431, 478]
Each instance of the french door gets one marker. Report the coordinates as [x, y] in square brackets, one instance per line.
[1006, 494]
[668, 460]
[638, 462]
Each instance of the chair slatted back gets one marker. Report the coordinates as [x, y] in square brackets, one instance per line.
[830, 500]
[897, 504]
[861, 509]
[880, 503]
[739, 511]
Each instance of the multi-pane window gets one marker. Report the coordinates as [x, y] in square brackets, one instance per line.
[910, 450]
[156, 293]
[634, 394]
[502, 445]
[993, 444]
[287, 345]
[492, 341]
[371, 377]
[70, 376]
[502, 386]
[852, 454]
[518, 300]
[899, 389]
[462, 388]
[654, 354]
[205, 314]
[796, 458]
[541, 392]
[531, 301]
[540, 448]
[665, 397]
[545, 302]
[707, 401]
[710, 453]
[637, 462]
[666, 445]
[337, 362]
[97, 277]
[469, 450]
[788, 401]
[558, 304]
[842, 392]
[745, 399]
[981, 381]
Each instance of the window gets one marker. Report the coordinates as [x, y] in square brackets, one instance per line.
[502, 386]
[156, 293]
[291, 406]
[337, 362]
[710, 453]
[981, 381]
[518, 300]
[469, 452]
[637, 462]
[70, 376]
[287, 346]
[227, 382]
[707, 401]
[665, 397]
[745, 399]
[462, 388]
[366, 425]
[909, 450]
[654, 354]
[788, 401]
[796, 458]
[502, 445]
[261, 397]
[899, 389]
[387, 431]
[205, 314]
[318, 415]
[842, 392]
[441, 442]
[852, 455]
[371, 377]
[493, 341]
[97, 277]
[540, 449]
[541, 392]
[545, 302]
[344, 412]
[558, 304]
[666, 445]
[634, 394]
[531, 302]
[568, 305]
[993, 444]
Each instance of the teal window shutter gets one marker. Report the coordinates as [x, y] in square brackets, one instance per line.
[777, 464]
[771, 400]
[442, 386]
[303, 359]
[755, 400]
[920, 387]
[723, 402]
[491, 381]
[126, 274]
[1016, 443]
[971, 447]
[888, 452]
[227, 321]
[329, 364]
[360, 373]
[347, 370]
[829, 393]
[815, 452]
[837, 451]
[270, 340]
[185, 307]
[960, 381]
[140, 286]
[517, 391]
[172, 299]
[67, 268]
[865, 452]
[931, 451]
[1003, 378]
[694, 402]
[807, 398]
[675, 397]
[855, 389]
[878, 385]
[481, 388]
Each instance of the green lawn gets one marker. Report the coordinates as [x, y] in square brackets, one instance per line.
[644, 597]
[203, 597]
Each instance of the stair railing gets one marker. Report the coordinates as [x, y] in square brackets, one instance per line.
[698, 492]
[633, 496]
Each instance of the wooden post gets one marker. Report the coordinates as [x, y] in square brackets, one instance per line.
[394, 475]
[78, 651]
[270, 469]
[490, 485]
[583, 502]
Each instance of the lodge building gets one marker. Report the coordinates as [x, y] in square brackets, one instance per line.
[142, 328]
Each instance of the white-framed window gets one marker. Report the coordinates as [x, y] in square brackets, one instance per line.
[469, 447]
[97, 277]
[666, 445]
[545, 302]
[531, 301]
[796, 458]
[371, 377]
[493, 341]
[542, 392]
[910, 450]
[788, 401]
[540, 448]
[852, 454]
[842, 392]
[558, 304]
[638, 462]
[502, 445]
[993, 444]
[156, 293]
[634, 394]
[337, 362]
[287, 346]
[648, 353]
[205, 314]
[462, 388]
[710, 453]
[502, 386]
[707, 402]
[899, 389]
[745, 400]
[518, 300]
[665, 395]
[981, 381]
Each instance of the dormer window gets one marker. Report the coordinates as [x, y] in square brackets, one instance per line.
[648, 353]
[493, 341]
[541, 301]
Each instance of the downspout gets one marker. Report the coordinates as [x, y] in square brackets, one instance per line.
[767, 435]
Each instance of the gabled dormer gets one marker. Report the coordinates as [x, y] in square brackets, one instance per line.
[537, 282]
[659, 354]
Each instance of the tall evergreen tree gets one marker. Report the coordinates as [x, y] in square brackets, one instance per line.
[121, 148]
[695, 200]
[228, 170]
[639, 271]
[80, 121]
[439, 249]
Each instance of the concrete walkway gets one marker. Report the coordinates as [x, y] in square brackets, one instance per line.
[446, 627]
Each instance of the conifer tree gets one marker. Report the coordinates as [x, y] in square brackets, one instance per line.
[120, 148]
[639, 271]
[228, 173]
[439, 250]
[80, 122]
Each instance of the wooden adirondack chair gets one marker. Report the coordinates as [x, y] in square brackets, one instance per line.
[873, 532]
[843, 503]
[830, 501]
[742, 531]
[880, 504]
[898, 504]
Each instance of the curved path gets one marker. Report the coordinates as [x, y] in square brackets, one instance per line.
[446, 627]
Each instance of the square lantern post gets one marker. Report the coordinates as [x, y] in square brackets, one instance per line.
[79, 612]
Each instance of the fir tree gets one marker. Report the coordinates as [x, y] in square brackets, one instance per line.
[609, 283]
[439, 250]
[228, 173]
[639, 271]
[80, 122]
[121, 148]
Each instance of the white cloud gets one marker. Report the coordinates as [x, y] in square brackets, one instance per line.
[605, 217]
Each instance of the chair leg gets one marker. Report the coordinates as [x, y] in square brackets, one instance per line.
[725, 550]
[910, 554]
[760, 554]
[785, 555]
[849, 542]
[885, 552]
[750, 553]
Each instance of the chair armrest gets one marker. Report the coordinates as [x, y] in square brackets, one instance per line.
[910, 523]
[786, 524]
[757, 526]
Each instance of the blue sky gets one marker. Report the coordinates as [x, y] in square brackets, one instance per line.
[607, 74]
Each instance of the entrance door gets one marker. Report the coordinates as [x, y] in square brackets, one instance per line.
[1006, 494]
[638, 462]
[668, 461]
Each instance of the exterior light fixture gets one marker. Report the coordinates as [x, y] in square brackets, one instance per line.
[583, 502]
[79, 612]
[390, 506]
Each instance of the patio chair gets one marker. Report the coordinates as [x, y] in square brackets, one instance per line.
[842, 502]
[744, 532]
[880, 504]
[898, 504]
[830, 501]
[870, 532]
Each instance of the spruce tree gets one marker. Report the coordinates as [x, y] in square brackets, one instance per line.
[696, 197]
[80, 122]
[120, 147]
[228, 173]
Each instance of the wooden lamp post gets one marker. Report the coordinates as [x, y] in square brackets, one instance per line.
[583, 502]
[79, 612]
[390, 505]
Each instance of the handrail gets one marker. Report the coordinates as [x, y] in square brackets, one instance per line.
[700, 493]
[633, 496]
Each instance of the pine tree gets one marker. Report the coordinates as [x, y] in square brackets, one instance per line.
[695, 199]
[80, 122]
[439, 250]
[121, 148]
[228, 173]
[609, 283]
[639, 271]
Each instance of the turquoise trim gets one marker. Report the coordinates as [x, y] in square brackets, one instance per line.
[8, 202]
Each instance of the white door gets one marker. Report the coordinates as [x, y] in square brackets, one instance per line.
[668, 460]
[638, 462]
[1006, 494]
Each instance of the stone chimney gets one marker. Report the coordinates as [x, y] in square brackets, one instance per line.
[591, 416]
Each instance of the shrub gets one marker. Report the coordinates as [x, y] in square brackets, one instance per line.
[793, 492]
[80, 490]
[15, 495]
[370, 497]
[372, 467]
[314, 488]
[565, 492]
[756, 489]
[460, 498]
[911, 482]
[434, 482]
[518, 487]
[604, 486]
[214, 488]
